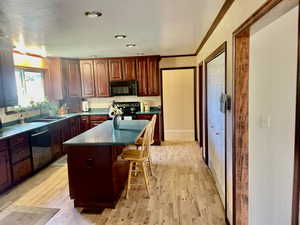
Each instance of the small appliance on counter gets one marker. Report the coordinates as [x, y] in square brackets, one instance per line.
[147, 107]
[85, 106]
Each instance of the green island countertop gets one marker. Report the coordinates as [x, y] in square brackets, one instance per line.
[104, 134]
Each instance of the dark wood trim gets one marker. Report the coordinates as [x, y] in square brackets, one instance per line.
[200, 109]
[121, 57]
[195, 98]
[174, 56]
[296, 188]
[258, 14]
[226, 6]
[29, 54]
[30, 68]
[220, 50]
[241, 45]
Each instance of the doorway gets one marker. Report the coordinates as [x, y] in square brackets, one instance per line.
[215, 122]
[178, 103]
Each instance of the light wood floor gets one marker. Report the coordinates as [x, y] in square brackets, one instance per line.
[182, 192]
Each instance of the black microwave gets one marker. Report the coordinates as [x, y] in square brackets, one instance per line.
[123, 88]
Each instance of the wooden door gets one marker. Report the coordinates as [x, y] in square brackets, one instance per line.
[153, 77]
[216, 119]
[73, 79]
[5, 172]
[87, 78]
[8, 80]
[129, 69]
[142, 73]
[115, 69]
[101, 77]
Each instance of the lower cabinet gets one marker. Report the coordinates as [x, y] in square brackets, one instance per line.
[96, 120]
[157, 130]
[84, 123]
[5, 171]
[75, 126]
[22, 170]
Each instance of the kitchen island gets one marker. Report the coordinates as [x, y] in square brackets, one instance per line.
[96, 176]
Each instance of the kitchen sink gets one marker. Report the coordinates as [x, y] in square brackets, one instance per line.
[49, 119]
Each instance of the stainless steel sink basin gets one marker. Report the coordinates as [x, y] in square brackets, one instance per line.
[49, 119]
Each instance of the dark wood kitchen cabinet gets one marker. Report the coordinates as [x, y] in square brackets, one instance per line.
[142, 74]
[62, 78]
[115, 69]
[5, 171]
[75, 126]
[96, 120]
[87, 78]
[71, 71]
[129, 68]
[157, 129]
[21, 170]
[153, 80]
[101, 78]
[84, 123]
[56, 132]
[8, 86]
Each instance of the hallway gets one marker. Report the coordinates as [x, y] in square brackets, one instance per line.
[182, 192]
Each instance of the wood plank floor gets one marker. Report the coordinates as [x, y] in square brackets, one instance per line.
[182, 192]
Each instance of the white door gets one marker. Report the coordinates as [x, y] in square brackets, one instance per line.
[216, 121]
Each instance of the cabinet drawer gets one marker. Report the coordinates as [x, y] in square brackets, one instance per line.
[21, 170]
[98, 118]
[3, 146]
[19, 148]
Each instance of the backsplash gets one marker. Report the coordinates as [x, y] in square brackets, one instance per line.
[106, 102]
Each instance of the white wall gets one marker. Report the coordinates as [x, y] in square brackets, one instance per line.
[272, 97]
[178, 97]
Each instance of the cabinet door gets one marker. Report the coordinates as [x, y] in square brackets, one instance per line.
[115, 69]
[129, 69]
[5, 172]
[21, 170]
[87, 78]
[142, 73]
[54, 79]
[101, 78]
[84, 123]
[73, 81]
[8, 80]
[153, 77]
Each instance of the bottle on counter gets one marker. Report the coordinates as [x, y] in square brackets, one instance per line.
[142, 106]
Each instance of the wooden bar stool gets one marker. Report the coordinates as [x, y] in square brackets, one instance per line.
[138, 158]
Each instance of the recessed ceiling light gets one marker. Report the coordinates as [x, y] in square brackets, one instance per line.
[93, 14]
[130, 45]
[140, 53]
[120, 36]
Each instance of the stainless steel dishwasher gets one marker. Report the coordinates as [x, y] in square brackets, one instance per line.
[41, 148]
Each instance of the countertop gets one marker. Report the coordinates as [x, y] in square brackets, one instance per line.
[104, 134]
[10, 131]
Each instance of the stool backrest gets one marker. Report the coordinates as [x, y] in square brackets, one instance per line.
[147, 139]
[153, 121]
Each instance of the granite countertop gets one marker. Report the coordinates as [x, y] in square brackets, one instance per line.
[13, 130]
[104, 134]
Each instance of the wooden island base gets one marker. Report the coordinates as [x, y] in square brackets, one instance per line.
[96, 177]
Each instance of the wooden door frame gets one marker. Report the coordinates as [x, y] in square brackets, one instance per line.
[195, 98]
[220, 50]
[200, 109]
[241, 43]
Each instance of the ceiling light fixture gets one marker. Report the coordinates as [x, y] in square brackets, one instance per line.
[130, 45]
[140, 53]
[120, 36]
[93, 14]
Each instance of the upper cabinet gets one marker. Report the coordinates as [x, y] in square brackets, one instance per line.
[72, 77]
[97, 73]
[63, 78]
[87, 78]
[153, 77]
[101, 78]
[115, 69]
[8, 86]
[129, 68]
[142, 74]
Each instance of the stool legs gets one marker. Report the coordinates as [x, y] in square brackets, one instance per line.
[132, 170]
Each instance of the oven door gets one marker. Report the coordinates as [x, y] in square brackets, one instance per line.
[41, 148]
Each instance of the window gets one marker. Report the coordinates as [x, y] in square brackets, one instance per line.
[30, 86]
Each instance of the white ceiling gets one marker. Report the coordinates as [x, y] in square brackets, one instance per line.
[163, 27]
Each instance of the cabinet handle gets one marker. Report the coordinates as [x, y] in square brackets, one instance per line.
[89, 163]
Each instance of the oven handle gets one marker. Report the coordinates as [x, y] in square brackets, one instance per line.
[39, 133]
